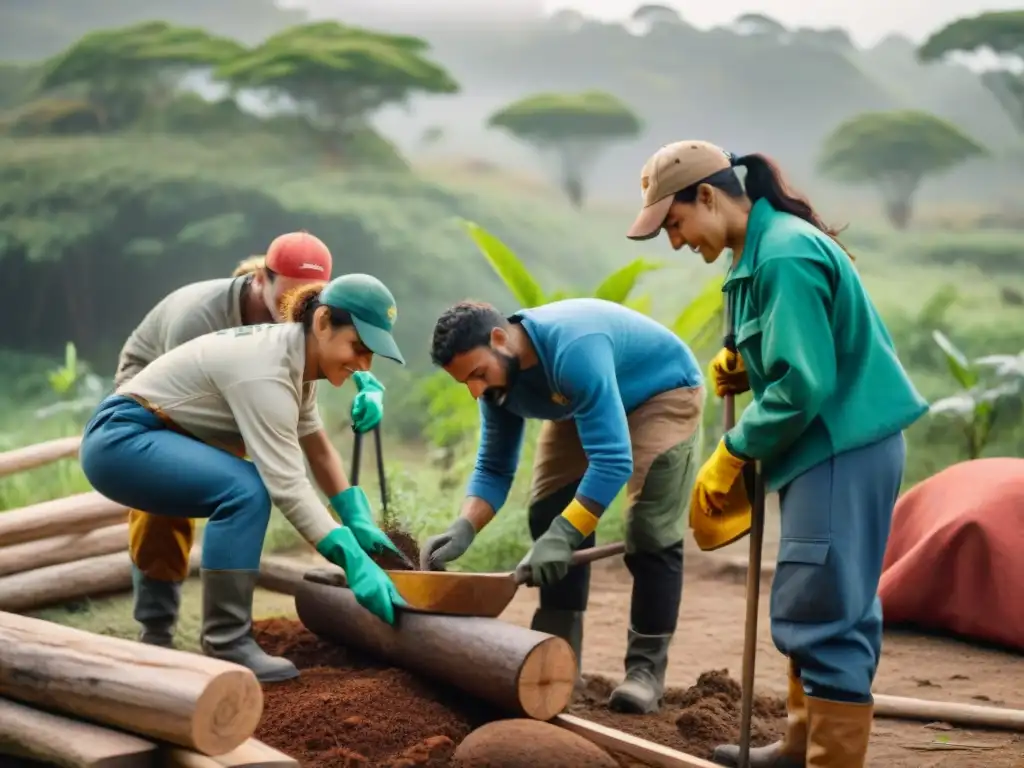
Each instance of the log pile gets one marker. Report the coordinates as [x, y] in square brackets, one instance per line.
[76, 699]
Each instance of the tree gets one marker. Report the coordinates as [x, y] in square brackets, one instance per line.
[650, 16]
[1000, 32]
[574, 128]
[337, 76]
[759, 24]
[123, 71]
[894, 151]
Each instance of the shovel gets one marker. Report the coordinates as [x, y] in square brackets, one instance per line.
[463, 594]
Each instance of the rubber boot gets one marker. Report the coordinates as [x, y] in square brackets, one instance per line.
[227, 625]
[791, 750]
[838, 733]
[156, 608]
[641, 691]
[565, 624]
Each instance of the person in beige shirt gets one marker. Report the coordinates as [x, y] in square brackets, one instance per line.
[159, 545]
[171, 441]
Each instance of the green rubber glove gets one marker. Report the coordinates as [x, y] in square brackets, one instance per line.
[368, 405]
[368, 582]
[353, 508]
[548, 560]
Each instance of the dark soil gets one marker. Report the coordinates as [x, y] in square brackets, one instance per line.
[347, 710]
[408, 546]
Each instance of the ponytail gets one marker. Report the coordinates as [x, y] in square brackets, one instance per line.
[249, 266]
[764, 180]
[299, 304]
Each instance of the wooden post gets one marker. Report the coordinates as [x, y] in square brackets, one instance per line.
[72, 514]
[520, 670]
[190, 700]
[36, 735]
[252, 754]
[955, 713]
[32, 456]
[67, 548]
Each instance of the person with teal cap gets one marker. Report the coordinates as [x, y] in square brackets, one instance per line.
[173, 441]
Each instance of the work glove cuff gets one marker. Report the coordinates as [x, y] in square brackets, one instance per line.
[338, 545]
[351, 503]
[462, 530]
[567, 532]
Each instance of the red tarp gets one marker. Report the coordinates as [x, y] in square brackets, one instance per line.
[955, 560]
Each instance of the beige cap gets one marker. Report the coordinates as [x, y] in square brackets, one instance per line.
[672, 169]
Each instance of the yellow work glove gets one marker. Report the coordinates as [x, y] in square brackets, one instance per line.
[719, 506]
[729, 373]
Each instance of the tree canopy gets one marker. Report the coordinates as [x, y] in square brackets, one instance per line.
[575, 127]
[895, 151]
[1001, 32]
[121, 69]
[337, 74]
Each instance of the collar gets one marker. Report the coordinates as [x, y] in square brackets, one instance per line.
[760, 214]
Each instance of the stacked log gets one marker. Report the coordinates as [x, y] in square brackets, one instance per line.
[81, 700]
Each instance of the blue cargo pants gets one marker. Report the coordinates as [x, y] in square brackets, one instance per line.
[825, 612]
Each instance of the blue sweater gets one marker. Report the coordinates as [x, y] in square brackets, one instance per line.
[598, 362]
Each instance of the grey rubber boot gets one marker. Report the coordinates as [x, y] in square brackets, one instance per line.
[156, 608]
[646, 661]
[565, 624]
[227, 625]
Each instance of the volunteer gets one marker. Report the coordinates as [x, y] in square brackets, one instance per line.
[171, 441]
[621, 398]
[160, 545]
[830, 402]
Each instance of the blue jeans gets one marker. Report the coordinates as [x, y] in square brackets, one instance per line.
[131, 457]
[825, 611]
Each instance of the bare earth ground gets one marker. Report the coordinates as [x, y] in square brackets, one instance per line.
[710, 636]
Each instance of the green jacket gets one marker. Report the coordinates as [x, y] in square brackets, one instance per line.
[822, 367]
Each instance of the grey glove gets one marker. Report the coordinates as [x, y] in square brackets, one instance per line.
[451, 545]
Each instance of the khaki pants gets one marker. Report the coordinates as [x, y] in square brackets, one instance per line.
[665, 433]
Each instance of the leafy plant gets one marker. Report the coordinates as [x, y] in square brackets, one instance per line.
[984, 382]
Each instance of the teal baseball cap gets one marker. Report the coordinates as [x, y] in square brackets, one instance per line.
[372, 308]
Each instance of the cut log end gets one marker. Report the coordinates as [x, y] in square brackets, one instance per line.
[228, 712]
[547, 678]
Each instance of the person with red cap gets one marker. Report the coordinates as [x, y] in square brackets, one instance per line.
[159, 545]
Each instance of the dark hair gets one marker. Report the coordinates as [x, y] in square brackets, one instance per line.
[299, 304]
[764, 179]
[463, 327]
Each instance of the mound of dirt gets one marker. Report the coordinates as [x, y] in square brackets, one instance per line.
[693, 720]
[347, 710]
[528, 744]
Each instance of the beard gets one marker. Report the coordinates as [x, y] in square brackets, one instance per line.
[511, 366]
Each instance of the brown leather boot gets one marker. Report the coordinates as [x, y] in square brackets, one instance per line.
[838, 733]
[791, 750]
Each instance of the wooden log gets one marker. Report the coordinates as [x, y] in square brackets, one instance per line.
[285, 574]
[66, 548]
[37, 735]
[72, 514]
[954, 713]
[647, 752]
[32, 456]
[252, 754]
[55, 584]
[517, 669]
[186, 699]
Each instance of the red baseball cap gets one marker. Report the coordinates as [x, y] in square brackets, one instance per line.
[299, 255]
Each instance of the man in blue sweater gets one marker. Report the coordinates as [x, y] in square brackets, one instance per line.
[621, 397]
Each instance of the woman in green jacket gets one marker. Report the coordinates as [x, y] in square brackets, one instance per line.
[830, 403]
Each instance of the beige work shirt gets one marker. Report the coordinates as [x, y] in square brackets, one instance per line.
[244, 385]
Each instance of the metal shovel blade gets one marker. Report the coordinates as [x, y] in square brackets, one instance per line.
[456, 594]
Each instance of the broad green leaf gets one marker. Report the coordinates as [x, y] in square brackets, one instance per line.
[958, 405]
[706, 309]
[642, 304]
[958, 364]
[507, 266]
[620, 283]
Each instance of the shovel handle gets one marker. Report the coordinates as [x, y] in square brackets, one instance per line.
[592, 554]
